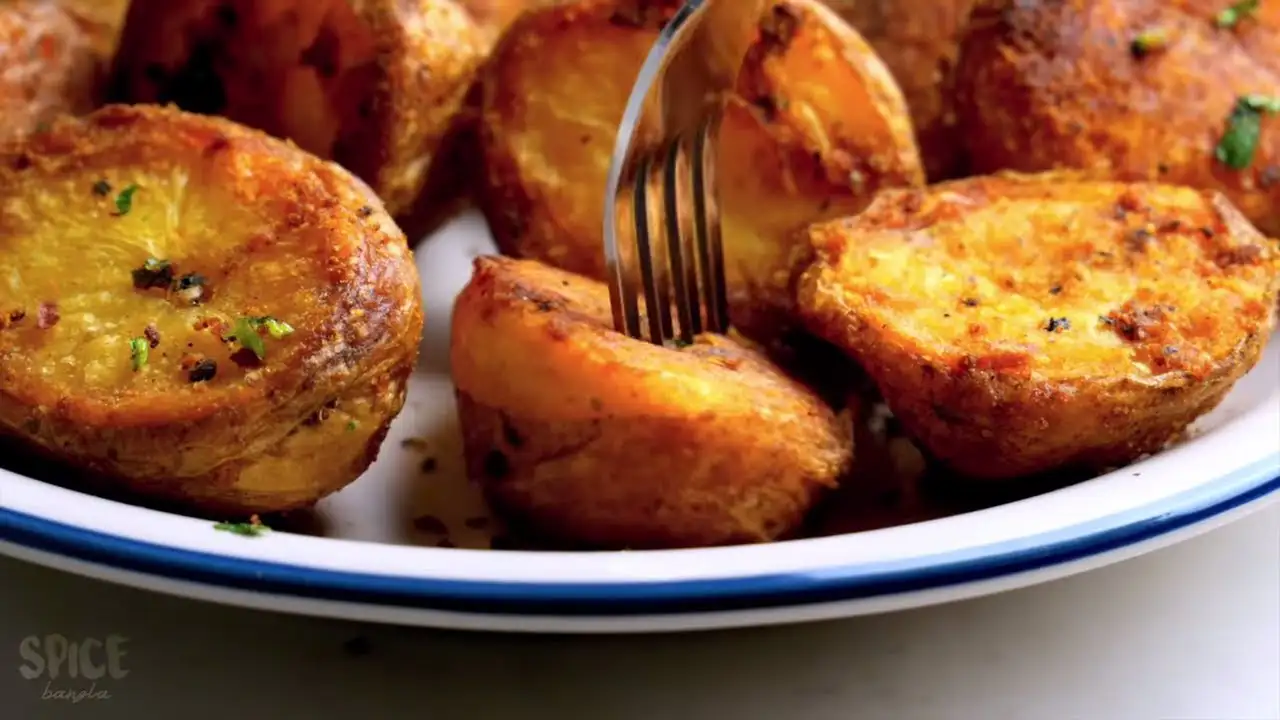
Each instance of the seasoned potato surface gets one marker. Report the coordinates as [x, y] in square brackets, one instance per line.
[1021, 324]
[816, 127]
[197, 312]
[598, 439]
[49, 66]
[1146, 90]
[919, 40]
[373, 85]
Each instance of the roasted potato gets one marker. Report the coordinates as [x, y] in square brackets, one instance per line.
[102, 18]
[1020, 324]
[373, 85]
[197, 314]
[816, 127]
[919, 41]
[49, 66]
[1138, 90]
[590, 437]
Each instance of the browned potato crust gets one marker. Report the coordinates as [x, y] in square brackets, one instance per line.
[1045, 85]
[817, 126]
[919, 40]
[270, 231]
[1021, 324]
[594, 438]
[48, 66]
[371, 84]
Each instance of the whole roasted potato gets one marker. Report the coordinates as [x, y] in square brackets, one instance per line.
[593, 438]
[1139, 90]
[1019, 324]
[371, 84]
[49, 66]
[919, 41]
[816, 127]
[197, 314]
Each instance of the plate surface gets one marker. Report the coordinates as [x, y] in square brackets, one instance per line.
[407, 543]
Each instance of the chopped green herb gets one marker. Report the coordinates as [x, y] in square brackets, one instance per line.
[1149, 41]
[246, 529]
[352, 425]
[1230, 17]
[275, 328]
[1244, 127]
[102, 188]
[245, 332]
[124, 201]
[139, 350]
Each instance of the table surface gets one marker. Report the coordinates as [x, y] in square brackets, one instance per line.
[1192, 631]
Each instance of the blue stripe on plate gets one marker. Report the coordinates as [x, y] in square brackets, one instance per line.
[847, 582]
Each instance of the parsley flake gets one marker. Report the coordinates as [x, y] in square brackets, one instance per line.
[1148, 41]
[1232, 16]
[246, 529]
[124, 201]
[275, 328]
[1244, 127]
[246, 333]
[139, 350]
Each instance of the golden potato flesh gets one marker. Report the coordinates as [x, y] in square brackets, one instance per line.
[919, 40]
[372, 85]
[1022, 324]
[816, 127]
[197, 313]
[590, 437]
[1138, 90]
[48, 67]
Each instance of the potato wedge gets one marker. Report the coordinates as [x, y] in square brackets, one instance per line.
[1134, 90]
[197, 314]
[50, 66]
[817, 126]
[372, 85]
[593, 438]
[919, 41]
[1019, 324]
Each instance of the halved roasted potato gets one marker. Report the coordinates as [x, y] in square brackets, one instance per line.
[373, 85]
[49, 66]
[1019, 324]
[919, 41]
[816, 127]
[198, 314]
[1138, 90]
[590, 437]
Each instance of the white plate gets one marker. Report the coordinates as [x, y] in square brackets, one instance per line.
[368, 552]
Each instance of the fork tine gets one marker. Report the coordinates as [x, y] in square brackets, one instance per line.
[653, 276]
[680, 239]
[707, 226]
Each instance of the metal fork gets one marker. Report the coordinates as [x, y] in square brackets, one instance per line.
[662, 210]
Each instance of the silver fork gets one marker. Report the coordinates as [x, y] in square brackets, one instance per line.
[662, 210]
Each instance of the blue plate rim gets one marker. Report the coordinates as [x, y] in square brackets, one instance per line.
[1237, 489]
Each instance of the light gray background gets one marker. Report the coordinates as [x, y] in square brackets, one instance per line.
[1188, 632]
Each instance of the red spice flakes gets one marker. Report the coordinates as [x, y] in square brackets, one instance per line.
[48, 316]
[152, 335]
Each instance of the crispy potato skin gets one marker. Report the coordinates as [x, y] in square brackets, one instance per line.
[1046, 85]
[594, 438]
[49, 66]
[816, 127]
[919, 40]
[274, 232]
[1019, 324]
[373, 84]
